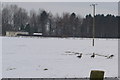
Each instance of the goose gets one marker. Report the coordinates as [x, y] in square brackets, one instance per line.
[110, 56]
[80, 55]
[93, 55]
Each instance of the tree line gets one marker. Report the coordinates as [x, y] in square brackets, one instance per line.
[15, 18]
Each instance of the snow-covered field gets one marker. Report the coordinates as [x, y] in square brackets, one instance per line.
[50, 57]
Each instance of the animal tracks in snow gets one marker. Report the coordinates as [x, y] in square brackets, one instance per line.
[9, 69]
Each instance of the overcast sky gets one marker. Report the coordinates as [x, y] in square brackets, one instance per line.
[80, 8]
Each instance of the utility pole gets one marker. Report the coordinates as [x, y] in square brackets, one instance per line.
[93, 5]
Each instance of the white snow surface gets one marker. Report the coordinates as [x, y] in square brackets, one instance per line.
[25, 57]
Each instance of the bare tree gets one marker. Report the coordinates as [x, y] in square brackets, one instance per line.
[44, 22]
[6, 20]
[20, 18]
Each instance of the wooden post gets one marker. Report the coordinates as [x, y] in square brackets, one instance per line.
[93, 42]
[96, 75]
[93, 24]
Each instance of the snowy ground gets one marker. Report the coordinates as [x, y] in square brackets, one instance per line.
[49, 57]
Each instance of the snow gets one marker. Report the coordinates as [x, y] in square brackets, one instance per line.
[25, 57]
[37, 33]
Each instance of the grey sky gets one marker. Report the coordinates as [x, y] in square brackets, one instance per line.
[80, 8]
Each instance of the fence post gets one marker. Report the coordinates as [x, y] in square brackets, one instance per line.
[96, 75]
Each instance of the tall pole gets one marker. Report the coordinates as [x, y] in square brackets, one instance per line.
[94, 5]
